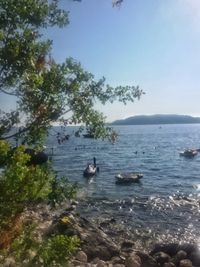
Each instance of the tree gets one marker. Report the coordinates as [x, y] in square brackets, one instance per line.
[46, 91]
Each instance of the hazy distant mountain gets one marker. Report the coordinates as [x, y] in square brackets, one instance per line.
[157, 119]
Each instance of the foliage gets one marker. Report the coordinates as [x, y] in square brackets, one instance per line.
[55, 251]
[4, 152]
[46, 91]
[61, 190]
[58, 249]
[25, 244]
[21, 184]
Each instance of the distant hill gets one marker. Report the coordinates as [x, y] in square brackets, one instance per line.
[157, 119]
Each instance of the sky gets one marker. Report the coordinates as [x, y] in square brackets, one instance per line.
[151, 43]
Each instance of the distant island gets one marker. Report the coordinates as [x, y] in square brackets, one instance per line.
[157, 119]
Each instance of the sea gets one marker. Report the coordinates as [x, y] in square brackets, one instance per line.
[163, 207]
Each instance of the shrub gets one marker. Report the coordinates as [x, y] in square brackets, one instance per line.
[4, 152]
[58, 249]
[55, 251]
[21, 184]
[61, 189]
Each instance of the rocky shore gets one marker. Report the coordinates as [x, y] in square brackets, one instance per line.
[98, 249]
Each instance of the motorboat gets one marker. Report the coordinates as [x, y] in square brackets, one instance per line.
[127, 178]
[91, 169]
[189, 153]
[88, 135]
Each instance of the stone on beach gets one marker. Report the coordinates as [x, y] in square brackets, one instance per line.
[161, 257]
[133, 261]
[169, 264]
[185, 263]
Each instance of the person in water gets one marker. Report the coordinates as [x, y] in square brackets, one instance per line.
[94, 160]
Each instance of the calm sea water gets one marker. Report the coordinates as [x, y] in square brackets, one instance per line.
[164, 206]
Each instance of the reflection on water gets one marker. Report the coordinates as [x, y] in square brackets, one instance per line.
[164, 206]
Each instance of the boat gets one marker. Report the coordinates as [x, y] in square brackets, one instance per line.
[88, 135]
[90, 132]
[188, 153]
[127, 178]
[91, 169]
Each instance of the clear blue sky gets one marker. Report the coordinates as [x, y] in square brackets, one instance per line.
[151, 43]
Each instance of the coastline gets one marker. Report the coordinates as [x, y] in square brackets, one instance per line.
[98, 249]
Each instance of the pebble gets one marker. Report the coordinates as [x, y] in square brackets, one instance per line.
[101, 264]
[185, 263]
[81, 256]
[133, 261]
[169, 264]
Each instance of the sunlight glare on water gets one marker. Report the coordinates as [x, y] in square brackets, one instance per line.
[165, 205]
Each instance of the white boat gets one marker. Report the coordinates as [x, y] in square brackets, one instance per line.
[91, 169]
[189, 153]
[127, 178]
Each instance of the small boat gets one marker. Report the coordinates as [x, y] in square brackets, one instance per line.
[127, 178]
[91, 169]
[88, 135]
[188, 153]
[89, 132]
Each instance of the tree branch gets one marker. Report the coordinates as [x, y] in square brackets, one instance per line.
[8, 93]
[15, 134]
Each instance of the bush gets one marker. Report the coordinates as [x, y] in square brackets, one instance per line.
[4, 152]
[61, 189]
[21, 184]
[58, 249]
[55, 251]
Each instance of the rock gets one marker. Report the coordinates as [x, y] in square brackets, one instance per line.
[9, 262]
[185, 263]
[81, 256]
[95, 260]
[169, 264]
[74, 202]
[117, 260]
[118, 265]
[95, 242]
[101, 263]
[127, 246]
[133, 261]
[161, 257]
[188, 248]
[170, 249]
[181, 255]
[79, 264]
[147, 260]
[195, 258]
[107, 222]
